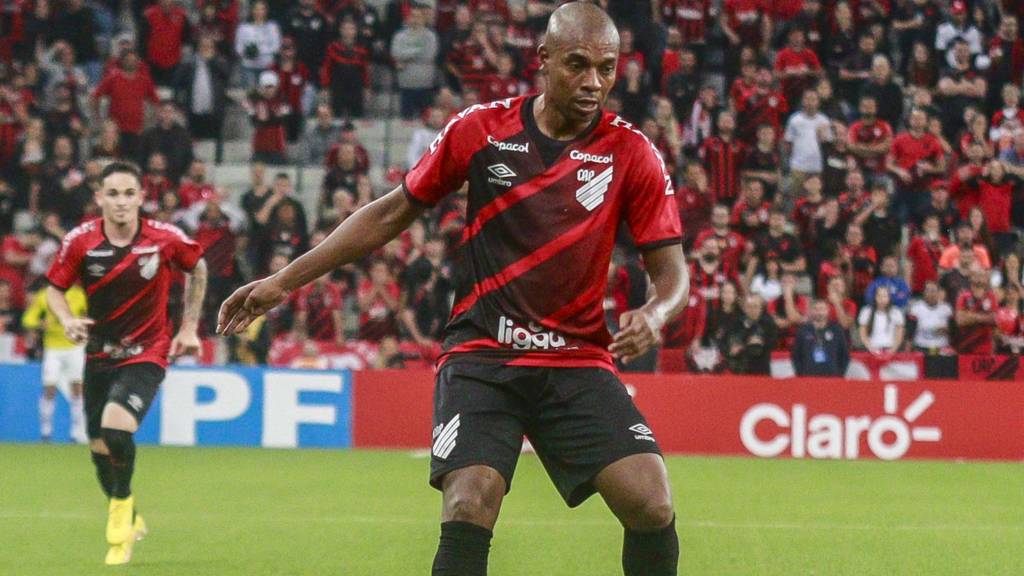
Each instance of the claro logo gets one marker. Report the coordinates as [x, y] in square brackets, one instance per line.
[889, 437]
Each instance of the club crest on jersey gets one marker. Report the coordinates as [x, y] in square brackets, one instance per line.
[501, 171]
[530, 338]
[148, 266]
[592, 193]
[509, 146]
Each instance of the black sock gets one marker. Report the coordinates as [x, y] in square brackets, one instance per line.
[651, 553]
[462, 550]
[104, 472]
[122, 460]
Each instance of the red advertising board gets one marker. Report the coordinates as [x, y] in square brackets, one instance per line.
[795, 418]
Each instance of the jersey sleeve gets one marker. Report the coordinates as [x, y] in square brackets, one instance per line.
[651, 210]
[184, 252]
[444, 166]
[64, 271]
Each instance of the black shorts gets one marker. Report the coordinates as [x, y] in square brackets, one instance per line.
[133, 386]
[579, 420]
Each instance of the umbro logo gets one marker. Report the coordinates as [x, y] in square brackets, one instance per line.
[96, 269]
[642, 432]
[501, 171]
[444, 438]
[135, 402]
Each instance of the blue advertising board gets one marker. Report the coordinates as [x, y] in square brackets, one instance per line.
[215, 406]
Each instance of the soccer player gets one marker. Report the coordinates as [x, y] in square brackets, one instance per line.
[124, 262]
[63, 361]
[527, 351]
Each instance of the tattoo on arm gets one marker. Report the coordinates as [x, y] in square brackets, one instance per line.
[195, 291]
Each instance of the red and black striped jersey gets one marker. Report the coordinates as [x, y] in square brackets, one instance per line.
[976, 338]
[532, 267]
[722, 159]
[126, 287]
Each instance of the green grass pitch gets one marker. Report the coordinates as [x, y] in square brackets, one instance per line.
[248, 512]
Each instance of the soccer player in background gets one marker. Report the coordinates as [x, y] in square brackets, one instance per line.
[63, 362]
[124, 264]
[527, 350]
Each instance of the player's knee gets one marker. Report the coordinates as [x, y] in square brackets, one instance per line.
[120, 443]
[98, 446]
[652, 512]
[474, 498]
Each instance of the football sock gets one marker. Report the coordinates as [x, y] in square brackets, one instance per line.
[104, 472]
[122, 460]
[46, 407]
[463, 550]
[651, 553]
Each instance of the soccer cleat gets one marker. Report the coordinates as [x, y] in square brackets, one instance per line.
[139, 527]
[119, 521]
[120, 553]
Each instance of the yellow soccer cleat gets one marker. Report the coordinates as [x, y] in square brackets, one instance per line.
[119, 521]
[120, 554]
[139, 527]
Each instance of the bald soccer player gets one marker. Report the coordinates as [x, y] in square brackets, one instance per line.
[526, 350]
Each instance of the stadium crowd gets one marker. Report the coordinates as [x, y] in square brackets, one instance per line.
[846, 170]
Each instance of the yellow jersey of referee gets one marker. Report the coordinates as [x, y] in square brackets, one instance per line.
[38, 314]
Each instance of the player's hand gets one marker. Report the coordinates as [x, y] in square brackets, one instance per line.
[186, 343]
[249, 303]
[639, 331]
[77, 329]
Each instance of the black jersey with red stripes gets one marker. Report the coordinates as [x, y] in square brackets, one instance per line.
[541, 223]
[126, 287]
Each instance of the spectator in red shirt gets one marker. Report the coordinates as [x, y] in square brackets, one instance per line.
[841, 309]
[194, 187]
[750, 213]
[976, 315]
[995, 190]
[502, 84]
[1007, 120]
[870, 138]
[788, 311]
[155, 182]
[797, 66]
[319, 308]
[924, 253]
[345, 73]
[731, 244]
[694, 200]
[293, 78]
[862, 261]
[722, 155]
[165, 30]
[685, 331]
[269, 113]
[628, 53]
[379, 303]
[744, 23]
[761, 105]
[128, 88]
[916, 158]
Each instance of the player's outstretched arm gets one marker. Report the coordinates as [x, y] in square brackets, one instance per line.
[369, 228]
[186, 341]
[76, 329]
[640, 329]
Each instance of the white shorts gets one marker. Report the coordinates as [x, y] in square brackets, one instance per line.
[63, 367]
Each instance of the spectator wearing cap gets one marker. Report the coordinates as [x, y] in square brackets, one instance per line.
[414, 50]
[311, 30]
[169, 138]
[957, 27]
[200, 89]
[293, 78]
[345, 73]
[257, 43]
[269, 113]
[820, 346]
[165, 31]
[128, 89]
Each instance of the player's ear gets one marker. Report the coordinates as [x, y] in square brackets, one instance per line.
[543, 54]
